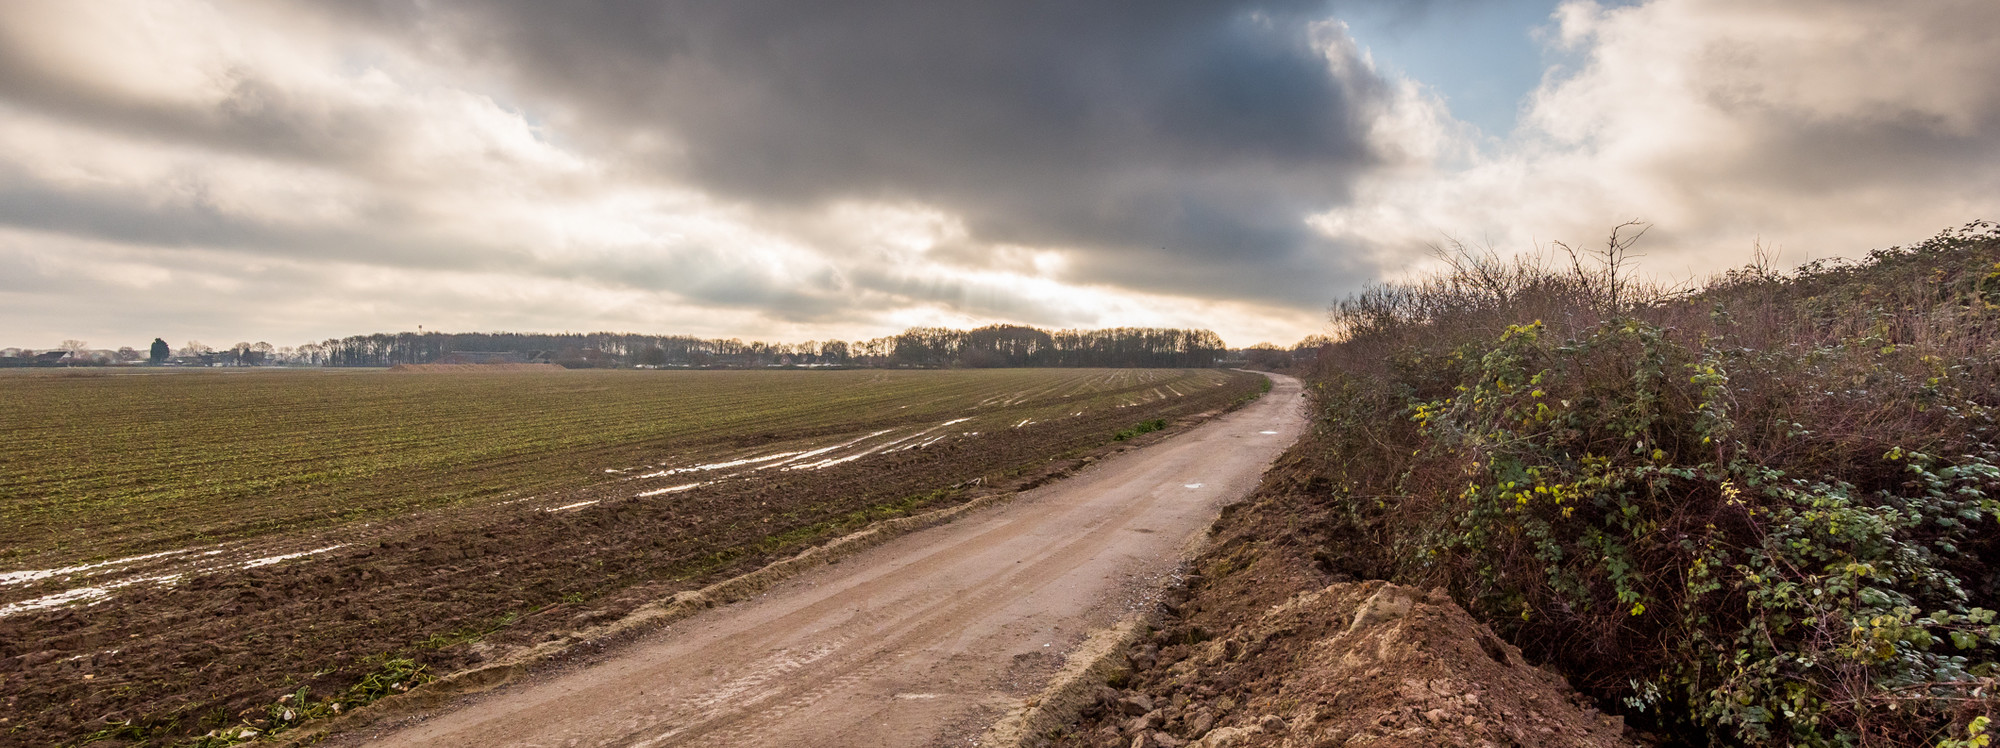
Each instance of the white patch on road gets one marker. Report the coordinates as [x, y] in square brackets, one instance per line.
[1192, 485]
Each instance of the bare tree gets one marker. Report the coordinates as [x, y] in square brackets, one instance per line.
[1483, 268]
[1611, 281]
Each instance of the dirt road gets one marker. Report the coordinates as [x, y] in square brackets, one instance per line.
[925, 640]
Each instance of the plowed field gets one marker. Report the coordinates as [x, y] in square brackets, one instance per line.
[178, 552]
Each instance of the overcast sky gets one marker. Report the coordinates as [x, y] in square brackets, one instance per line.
[843, 169]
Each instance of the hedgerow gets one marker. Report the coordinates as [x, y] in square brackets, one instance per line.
[1766, 511]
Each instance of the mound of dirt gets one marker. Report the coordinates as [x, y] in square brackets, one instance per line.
[1271, 642]
[1367, 663]
[470, 368]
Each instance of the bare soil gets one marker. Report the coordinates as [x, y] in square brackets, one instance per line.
[925, 640]
[1269, 642]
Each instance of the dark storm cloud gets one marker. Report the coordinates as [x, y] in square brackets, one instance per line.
[1189, 135]
[250, 115]
[181, 213]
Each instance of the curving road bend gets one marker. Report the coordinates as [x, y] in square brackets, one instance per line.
[925, 640]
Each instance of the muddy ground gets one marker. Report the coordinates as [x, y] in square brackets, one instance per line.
[160, 665]
[924, 640]
[1271, 641]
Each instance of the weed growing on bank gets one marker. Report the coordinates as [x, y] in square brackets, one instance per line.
[392, 676]
[1144, 427]
[1766, 510]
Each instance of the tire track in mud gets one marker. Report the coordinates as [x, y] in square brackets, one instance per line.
[904, 643]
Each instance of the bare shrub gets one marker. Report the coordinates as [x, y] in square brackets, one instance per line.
[1759, 510]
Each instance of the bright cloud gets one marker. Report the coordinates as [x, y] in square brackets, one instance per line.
[1825, 128]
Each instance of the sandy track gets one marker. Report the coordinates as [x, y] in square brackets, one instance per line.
[923, 641]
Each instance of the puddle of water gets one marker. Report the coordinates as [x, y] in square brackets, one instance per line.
[94, 594]
[667, 490]
[721, 465]
[1192, 485]
[64, 597]
[889, 446]
[570, 506]
[35, 575]
[1268, 432]
[86, 595]
[268, 560]
[827, 463]
[824, 450]
[801, 460]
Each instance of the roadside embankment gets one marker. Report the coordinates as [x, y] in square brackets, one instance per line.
[1265, 644]
[1755, 511]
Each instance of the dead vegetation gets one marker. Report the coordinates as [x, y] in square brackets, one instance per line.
[1758, 510]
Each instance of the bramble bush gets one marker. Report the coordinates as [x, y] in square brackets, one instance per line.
[1765, 511]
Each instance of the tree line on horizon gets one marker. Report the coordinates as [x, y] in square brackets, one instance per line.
[917, 347]
[920, 347]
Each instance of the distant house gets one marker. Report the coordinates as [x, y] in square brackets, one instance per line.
[52, 358]
[482, 357]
